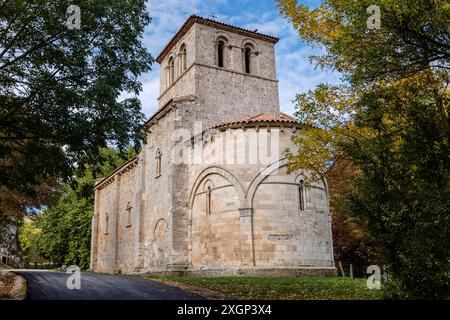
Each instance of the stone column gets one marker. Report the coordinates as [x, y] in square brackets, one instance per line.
[94, 231]
[246, 241]
[94, 239]
[139, 216]
[179, 219]
[115, 231]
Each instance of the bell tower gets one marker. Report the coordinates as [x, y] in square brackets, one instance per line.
[229, 70]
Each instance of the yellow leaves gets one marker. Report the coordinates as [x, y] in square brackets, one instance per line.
[330, 111]
[320, 25]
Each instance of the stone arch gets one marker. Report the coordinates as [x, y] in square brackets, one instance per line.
[222, 36]
[261, 176]
[215, 200]
[159, 243]
[223, 173]
[250, 42]
[159, 222]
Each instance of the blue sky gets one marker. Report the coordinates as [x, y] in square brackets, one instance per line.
[294, 71]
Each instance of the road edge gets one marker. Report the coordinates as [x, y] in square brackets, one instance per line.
[201, 291]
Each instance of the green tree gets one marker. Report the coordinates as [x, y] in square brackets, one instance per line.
[390, 118]
[60, 87]
[28, 237]
[65, 231]
[65, 235]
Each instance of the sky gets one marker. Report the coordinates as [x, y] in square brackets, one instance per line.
[294, 71]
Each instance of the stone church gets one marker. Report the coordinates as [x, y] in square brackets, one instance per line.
[210, 192]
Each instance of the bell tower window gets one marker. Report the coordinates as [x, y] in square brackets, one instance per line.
[170, 73]
[183, 61]
[220, 48]
[247, 59]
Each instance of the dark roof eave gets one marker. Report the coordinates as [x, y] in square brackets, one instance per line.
[100, 182]
[220, 25]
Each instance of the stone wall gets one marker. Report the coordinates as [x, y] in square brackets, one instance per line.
[254, 218]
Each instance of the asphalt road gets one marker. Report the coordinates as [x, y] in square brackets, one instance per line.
[52, 285]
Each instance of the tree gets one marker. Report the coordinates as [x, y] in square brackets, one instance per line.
[65, 227]
[14, 204]
[352, 242]
[65, 231]
[28, 237]
[390, 119]
[60, 86]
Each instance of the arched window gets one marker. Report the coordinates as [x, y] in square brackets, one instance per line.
[158, 163]
[170, 73]
[107, 223]
[207, 188]
[220, 55]
[208, 200]
[183, 61]
[301, 195]
[128, 209]
[247, 59]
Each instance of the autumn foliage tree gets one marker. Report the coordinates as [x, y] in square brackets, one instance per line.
[390, 118]
[352, 242]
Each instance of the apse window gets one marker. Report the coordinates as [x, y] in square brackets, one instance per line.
[301, 195]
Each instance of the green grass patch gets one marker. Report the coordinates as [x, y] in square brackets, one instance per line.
[282, 288]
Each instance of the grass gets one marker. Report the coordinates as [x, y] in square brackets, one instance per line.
[281, 288]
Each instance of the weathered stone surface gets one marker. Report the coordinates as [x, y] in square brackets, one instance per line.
[221, 205]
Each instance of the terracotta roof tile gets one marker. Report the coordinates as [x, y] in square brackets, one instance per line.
[261, 118]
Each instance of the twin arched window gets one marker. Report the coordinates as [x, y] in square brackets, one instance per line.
[247, 52]
[170, 72]
[183, 61]
[182, 65]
